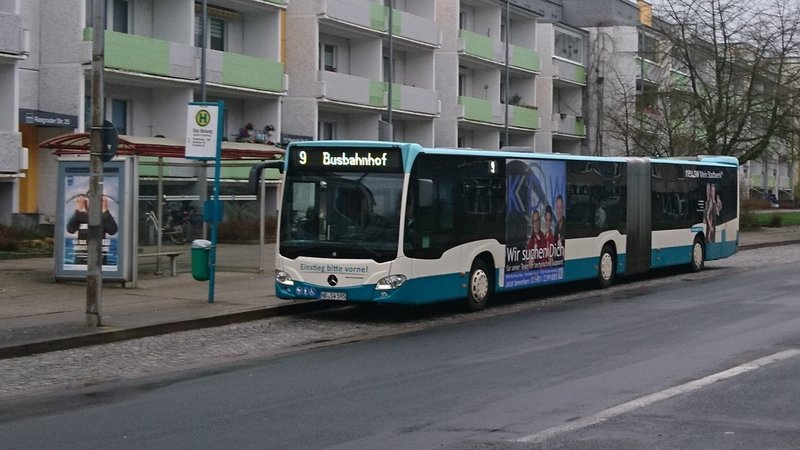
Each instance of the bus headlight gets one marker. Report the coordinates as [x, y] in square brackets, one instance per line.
[283, 278]
[390, 282]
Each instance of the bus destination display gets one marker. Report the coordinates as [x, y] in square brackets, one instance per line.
[346, 159]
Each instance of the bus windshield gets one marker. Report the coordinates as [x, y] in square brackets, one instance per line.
[345, 215]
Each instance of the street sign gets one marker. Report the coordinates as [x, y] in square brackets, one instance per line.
[202, 131]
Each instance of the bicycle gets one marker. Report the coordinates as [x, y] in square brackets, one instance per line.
[178, 233]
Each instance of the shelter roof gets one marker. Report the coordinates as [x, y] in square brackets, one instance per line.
[79, 143]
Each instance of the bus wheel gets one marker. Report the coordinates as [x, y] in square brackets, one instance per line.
[607, 268]
[698, 255]
[479, 288]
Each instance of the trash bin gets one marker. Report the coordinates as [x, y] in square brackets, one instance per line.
[201, 249]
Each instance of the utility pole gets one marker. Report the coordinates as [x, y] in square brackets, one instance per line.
[390, 77]
[507, 80]
[94, 272]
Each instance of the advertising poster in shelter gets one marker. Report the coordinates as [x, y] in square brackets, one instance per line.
[72, 228]
[535, 222]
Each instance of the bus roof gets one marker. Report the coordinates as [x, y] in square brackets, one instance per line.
[410, 150]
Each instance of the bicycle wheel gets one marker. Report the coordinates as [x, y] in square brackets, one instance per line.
[177, 235]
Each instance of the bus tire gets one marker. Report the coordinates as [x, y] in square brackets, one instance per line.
[479, 286]
[607, 267]
[698, 255]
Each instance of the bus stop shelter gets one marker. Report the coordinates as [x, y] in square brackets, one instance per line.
[157, 154]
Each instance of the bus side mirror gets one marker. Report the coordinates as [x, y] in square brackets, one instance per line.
[424, 192]
[255, 174]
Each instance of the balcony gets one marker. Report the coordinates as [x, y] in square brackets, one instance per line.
[10, 152]
[567, 125]
[415, 100]
[569, 72]
[340, 87]
[524, 58]
[344, 88]
[680, 81]
[479, 110]
[652, 72]
[359, 13]
[373, 16]
[524, 117]
[233, 69]
[415, 28]
[481, 47]
[12, 39]
[150, 56]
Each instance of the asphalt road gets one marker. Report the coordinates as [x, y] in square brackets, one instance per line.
[703, 360]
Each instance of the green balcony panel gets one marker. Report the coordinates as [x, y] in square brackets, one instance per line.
[522, 117]
[477, 45]
[376, 90]
[476, 109]
[378, 14]
[251, 72]
[524, 58]
[136, 53]
[580, 127]
[680, 81]
[580, 74]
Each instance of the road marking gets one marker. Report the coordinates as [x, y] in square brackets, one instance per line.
[659, 396]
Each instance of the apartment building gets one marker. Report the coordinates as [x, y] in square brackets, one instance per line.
[153, 62]
[346, 62]
[13, 157]
[479, 73]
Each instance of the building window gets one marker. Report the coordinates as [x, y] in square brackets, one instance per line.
[648, 47]
[119, 115]
[216, 31]
[119, 16]
[327, 131]
[328, 57]
[569, 46]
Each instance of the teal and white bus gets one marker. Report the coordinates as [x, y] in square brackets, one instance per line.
[388, 222]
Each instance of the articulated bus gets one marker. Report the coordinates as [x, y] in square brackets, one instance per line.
[387, 222]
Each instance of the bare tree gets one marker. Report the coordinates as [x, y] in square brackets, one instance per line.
[651, 117]
[742, 68]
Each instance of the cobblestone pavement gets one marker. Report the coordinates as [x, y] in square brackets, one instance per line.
[206, 348]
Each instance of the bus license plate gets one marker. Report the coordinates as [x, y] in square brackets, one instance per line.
[333, 295]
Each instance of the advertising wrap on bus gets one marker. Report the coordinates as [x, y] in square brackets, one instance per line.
[535, 202]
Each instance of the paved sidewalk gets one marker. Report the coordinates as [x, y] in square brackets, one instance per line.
[38, 314]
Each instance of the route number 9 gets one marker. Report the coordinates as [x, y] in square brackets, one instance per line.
[303, 157]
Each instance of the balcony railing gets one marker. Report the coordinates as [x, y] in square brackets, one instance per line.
[568, 125]
[479, 110]
[11, 39]
[10, 154]
[361, 13]
[146, 55]
[356, 90]
[569, 71]
[524, 58]
[524, 117]
[479, 46]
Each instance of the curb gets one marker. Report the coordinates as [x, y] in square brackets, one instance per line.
[769, 244]
[106, 337]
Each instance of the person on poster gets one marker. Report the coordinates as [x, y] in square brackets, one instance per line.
[560, 237]
[713, 207]
[549, 238]
[79, 223]
[536, 240]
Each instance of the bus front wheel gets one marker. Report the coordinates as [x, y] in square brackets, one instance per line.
[607, 267]
[479, 288]
[698, 255]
